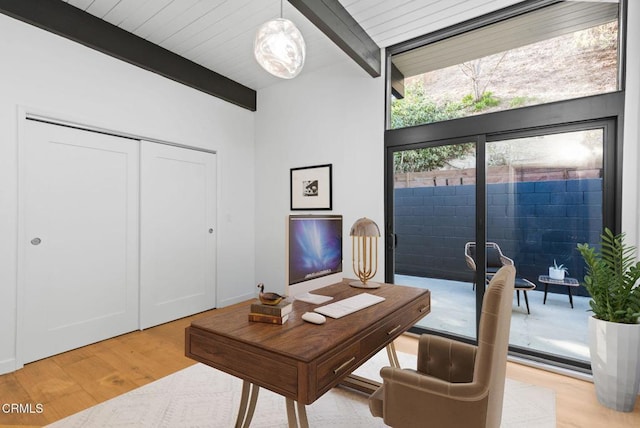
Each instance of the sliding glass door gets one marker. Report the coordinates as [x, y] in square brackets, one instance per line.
[532, 194]
[544, 196]
[434, 217]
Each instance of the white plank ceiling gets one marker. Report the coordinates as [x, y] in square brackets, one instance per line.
[218, 34]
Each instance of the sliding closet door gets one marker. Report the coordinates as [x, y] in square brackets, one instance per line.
[177, 270]
[78, 266]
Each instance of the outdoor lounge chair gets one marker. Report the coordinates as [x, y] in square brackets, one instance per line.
[495, 260]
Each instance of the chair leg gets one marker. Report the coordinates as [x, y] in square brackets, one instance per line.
[526, 299]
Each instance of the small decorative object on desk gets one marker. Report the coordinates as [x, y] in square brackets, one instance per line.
[557, 272]
[270, 319]
[269, 298]
[281, 309]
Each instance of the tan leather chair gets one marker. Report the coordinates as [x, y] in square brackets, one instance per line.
[455, 384]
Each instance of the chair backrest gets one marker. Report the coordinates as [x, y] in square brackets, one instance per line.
[494, 255]
[493, 340]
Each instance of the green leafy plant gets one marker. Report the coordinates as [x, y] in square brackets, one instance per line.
[417, 108]
[485, 101]
[561, 267]
[430, 158]
[611, 279]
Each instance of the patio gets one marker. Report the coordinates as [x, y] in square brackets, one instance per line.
[552, 328]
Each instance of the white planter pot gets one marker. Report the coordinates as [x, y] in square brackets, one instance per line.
[556, 274]
[615, 354]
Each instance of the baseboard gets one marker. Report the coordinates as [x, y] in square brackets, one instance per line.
[565, 371]
[8, 366]
[237, 299]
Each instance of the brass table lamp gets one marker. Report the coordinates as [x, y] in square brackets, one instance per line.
[364, 241]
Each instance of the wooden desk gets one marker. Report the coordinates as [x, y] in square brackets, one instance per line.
[299, 360]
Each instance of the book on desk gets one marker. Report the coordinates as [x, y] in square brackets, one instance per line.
[272, 314]
[269, 319]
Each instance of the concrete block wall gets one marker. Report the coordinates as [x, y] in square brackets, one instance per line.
[533, 222]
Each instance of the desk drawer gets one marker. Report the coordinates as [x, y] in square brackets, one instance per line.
[272, 373]
[394, 327]
[335, 367]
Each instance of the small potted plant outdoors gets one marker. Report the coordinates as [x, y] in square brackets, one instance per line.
[557, 272]
[614, 332]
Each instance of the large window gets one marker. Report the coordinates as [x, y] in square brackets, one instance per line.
[509, 132]
[563, 51]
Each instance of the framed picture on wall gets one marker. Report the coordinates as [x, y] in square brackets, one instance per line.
[311, 188]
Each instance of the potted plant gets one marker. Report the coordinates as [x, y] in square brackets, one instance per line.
[557, 272]
[614, 332]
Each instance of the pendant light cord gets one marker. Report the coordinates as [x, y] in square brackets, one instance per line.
[281, 14]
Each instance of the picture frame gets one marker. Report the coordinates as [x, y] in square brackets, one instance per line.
[311, 188]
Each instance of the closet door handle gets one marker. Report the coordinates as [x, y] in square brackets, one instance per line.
[36, 241]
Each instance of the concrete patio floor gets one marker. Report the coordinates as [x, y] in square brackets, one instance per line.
[553, 327]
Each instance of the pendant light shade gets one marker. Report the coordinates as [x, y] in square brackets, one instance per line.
[279, 48]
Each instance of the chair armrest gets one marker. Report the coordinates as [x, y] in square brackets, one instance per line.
[506, 261]
[467, 257]
[471, 264]
[446, 359]
[394, 377]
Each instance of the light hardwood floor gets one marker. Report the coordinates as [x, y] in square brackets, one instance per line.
[67, 383]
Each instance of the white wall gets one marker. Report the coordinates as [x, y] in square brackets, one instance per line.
[45, 72]
[336, 116]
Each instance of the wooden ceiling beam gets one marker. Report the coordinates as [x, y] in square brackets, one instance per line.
[72, 23]
[337, 24]
[397, 82]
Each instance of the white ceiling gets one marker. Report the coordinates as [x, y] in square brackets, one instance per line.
[218, 34]
[556, 20]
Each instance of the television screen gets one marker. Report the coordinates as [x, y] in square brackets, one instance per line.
[315, 246]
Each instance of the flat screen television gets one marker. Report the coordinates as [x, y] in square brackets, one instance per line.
[314, 251]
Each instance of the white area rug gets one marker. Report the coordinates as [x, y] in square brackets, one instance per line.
[200, 396]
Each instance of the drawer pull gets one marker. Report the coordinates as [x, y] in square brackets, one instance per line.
[423, 308]
[390, 332]
[345, 364]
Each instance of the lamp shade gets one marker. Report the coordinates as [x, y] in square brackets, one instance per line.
[365, 227]
[279, 48]
[364, 240]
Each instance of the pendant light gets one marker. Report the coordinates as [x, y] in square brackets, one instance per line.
[279, 47]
